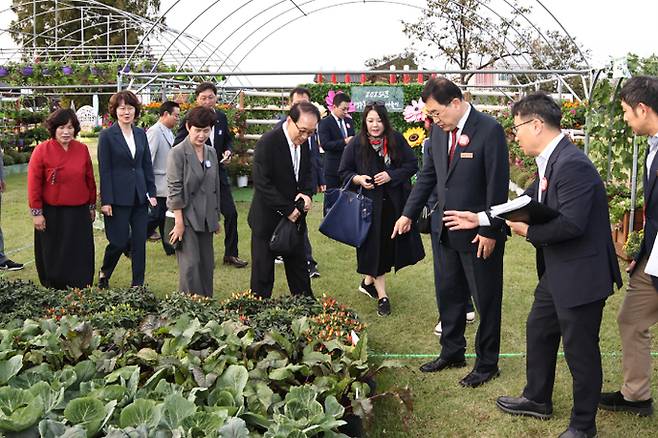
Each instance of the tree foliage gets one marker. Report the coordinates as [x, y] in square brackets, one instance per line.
[64, 26]
[471, 35]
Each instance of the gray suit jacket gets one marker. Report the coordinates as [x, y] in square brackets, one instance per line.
[159, 145]
[194, 186]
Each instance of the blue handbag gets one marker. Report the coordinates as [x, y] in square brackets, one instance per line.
[349, 218]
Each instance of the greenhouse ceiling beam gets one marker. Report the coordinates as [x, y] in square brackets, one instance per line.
[355, 72]
[399, 3]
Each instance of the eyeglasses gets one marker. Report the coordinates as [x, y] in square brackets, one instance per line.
[515, 128]
[304, 132]
[436, 114]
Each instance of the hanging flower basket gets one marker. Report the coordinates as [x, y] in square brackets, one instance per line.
[3, 72]
[67, 70]
[27, 70]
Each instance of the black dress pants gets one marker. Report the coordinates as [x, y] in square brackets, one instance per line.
[230, 213]
[462, 275]
[262, 269]
[156, 220]
[127, 225]
[579, 329]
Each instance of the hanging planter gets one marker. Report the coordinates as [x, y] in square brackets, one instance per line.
[27, 70]
[45, 71]
[67, 70]
[3, 72]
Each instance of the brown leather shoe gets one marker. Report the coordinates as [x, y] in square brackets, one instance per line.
[235, 261]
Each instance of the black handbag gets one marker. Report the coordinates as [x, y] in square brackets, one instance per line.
[349, 218]
[168, 226]
[424, 222]
[288, 236]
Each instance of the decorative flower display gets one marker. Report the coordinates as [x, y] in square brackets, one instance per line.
[414, 112]
[414, 136]
[27, 70]
[3, 72]
[67, 70]
[330, 101]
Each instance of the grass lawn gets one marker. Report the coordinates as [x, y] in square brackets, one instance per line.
[441, 406]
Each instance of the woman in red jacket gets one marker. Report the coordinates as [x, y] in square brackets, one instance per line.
[62, 198]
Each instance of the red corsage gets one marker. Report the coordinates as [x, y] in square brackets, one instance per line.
[543, 185]
[463, 140]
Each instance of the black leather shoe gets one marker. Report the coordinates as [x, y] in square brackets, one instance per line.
[235, 261]
[523, 406]
[440, 363]
[475, 379]
[575, 433]
[614, 401]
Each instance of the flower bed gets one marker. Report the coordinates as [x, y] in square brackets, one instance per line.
[122, 363]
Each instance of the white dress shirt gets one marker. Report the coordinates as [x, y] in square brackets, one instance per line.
[130, 139]
[653, 147]
[542, 161]
[460, 127]
[294, 151]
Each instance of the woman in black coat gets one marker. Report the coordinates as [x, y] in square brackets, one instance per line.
[380, 160]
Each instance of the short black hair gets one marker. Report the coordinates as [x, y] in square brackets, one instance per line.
[126, 97]
[442, 90]
[300, 90]
[168, 107]
[641, 89]
[303, 107]
[340, 98]
[200, 117]
[61, 117]
[539, 105]
[203, 86]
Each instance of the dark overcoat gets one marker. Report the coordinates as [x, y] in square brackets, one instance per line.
[408, 247]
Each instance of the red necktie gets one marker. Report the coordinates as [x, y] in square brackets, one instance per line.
[453, 134]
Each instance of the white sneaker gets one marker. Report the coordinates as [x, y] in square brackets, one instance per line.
[278, 260]
[437, 329]
[470, 317]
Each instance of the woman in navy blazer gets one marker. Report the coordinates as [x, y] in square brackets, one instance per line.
[127, 185]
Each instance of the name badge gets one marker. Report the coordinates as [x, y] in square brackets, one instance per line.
[208, 164]
[466, 155]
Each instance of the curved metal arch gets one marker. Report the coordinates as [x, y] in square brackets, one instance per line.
[331, 6]
[212, 29]
[94, 5]
[531, 49]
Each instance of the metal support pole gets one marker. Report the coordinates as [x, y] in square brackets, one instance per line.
[107, 37]
[631, 220]
[125, 38]
[34, 28]
[56, 24]
[587, 127]
[82, 31]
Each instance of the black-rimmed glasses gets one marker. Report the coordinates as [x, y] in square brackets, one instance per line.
[305, 132]
[515, 128]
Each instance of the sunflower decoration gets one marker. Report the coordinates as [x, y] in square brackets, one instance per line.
[414, 136]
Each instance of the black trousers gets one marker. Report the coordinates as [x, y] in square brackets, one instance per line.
[579, 329]
[127, 225]
[262, 269]
[308, 251]
[156, 219]
[463, 274]
[437, 272]
[230, 213]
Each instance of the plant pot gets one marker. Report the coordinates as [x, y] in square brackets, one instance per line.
[243, 180]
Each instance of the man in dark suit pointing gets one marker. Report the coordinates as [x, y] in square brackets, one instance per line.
[576, 265]
[467, 164]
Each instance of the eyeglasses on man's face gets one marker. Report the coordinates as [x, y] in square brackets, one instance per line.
[515, 128]
[303, 131]
[434, 115]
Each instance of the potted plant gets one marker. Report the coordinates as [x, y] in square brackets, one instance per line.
[632, 245]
